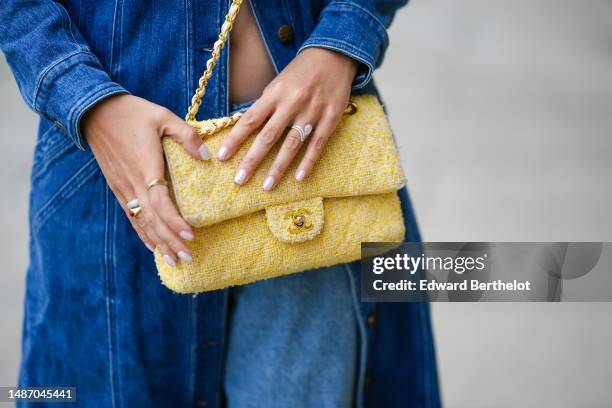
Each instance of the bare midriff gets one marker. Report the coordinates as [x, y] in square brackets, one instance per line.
[250, 66]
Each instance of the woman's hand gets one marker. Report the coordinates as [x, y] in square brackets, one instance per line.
[314, 89]
[124, 133]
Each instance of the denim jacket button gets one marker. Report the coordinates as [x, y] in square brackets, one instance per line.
[285, 34]
[371, 320]
[58, 125]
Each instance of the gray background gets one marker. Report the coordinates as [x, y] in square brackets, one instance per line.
[503, 110]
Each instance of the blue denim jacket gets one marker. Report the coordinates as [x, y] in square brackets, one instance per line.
[95, 311]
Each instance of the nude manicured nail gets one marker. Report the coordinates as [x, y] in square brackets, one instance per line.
[186, 235]
[204, 153]
[269, 183]
[169, 260]
[222, 153]
[185, 256]
[300, 175]
[240, 176]
[149, 247]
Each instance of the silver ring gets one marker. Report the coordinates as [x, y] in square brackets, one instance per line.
[133, 204]
[305, 132]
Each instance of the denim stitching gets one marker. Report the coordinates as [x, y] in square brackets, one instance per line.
[115, 67]
[288, 15]
[188, 55]
[354, 53]
[51, 155]
[93, 95]
[111, 59]
[345, 5]
[66, 22]
[116, 372]
[241, 107]
[57, 150]
[427, 354]
[192, 319]
[331, 42]
[107, 281]
[86, 172]
[109, 246]
[224, 333]
[363, 340]
[48, 69]
[103, 92]
[263, 36]
[222, 321]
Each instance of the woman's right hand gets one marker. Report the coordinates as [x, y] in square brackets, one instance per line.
[124, 133]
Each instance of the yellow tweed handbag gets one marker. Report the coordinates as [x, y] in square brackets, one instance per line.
[244, 234]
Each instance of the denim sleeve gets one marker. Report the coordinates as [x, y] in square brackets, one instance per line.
[357, 28]
[57, 74]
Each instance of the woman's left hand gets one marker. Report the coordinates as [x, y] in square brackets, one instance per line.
[313, 89]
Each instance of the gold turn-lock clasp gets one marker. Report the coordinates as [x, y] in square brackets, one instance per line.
[299, 221]
[351, 108]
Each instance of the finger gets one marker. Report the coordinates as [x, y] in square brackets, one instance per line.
[250, 121]
[171, 244]
[187, 136]
[264, 141]
[145, 222]
[142, 234]
[167, 224]
[148, 242]
[159, 214]
[291, 146]
[321, 134]
[159, 198]
[167, 254]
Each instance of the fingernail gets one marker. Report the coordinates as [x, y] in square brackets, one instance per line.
[222, 153]
[204, 153]
[240, 176]
[185, 256]
[169, 260]
[186, 235]
[149, 247]
[269, 183]
[300, 175]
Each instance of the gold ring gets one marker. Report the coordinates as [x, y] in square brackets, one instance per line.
[134, 212]
[157, 182]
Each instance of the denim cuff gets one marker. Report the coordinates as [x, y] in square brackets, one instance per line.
[68, 88]
[352, 30]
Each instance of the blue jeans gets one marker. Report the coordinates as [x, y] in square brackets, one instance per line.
[293, 342]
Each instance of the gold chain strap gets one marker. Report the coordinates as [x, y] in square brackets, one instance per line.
[196, 100]
[214, 126]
